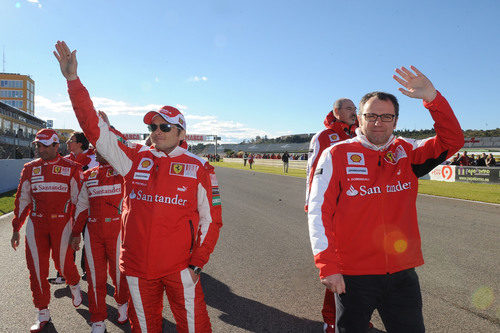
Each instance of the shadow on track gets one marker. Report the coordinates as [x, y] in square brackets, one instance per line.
[251, 315]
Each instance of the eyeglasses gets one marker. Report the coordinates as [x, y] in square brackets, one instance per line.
[163, 127]
[350, 109]
[372, 117]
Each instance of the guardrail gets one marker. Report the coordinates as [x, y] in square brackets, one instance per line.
[11, 173]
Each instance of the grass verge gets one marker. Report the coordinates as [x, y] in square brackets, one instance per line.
[7, 202]
[459, 190]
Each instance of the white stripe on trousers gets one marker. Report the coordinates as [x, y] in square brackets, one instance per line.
[31, 241]
[90, 262]
[189, 293]
[117, 262]
[63, 249]
[135, 293]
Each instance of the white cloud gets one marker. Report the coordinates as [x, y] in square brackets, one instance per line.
[229, 130]
[198, 78]
[36, 2]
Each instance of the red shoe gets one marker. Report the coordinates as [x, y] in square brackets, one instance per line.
[42, 320]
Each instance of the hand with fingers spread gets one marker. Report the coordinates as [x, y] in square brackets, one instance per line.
[67, 61]
[417, 84]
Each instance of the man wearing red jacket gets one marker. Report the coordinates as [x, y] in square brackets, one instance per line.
[340, 124]
[46, 198]
[171, 210]
[99, 207]
[362, 209]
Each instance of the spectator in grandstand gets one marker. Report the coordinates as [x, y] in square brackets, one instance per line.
[45, 199]
[481, 160]
[490, 161]
[285, 159]
[454, 160]
[464, 160]
[369, 184]
[472, 160]
[340, 125]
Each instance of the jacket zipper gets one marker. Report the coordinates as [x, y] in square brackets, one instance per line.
[383, 220]
[192, 236]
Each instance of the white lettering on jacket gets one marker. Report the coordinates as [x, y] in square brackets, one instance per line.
[157, 198]
[49, 187]
[99, 191]
[364, 190]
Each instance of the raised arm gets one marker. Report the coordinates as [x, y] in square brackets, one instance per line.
[119, 154]
[430, 152]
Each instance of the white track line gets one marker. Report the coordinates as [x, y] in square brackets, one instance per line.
[481, 202]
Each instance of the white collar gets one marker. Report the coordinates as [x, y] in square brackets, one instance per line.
[365, 142]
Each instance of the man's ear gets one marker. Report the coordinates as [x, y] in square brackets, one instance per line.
[395, 123]
[182, 135]
[336, 112]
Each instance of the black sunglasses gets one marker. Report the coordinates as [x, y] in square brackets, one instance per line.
[163, 127]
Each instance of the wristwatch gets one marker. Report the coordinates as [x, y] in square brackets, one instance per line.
[196, 269]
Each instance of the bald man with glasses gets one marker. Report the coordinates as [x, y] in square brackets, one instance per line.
[362, 209]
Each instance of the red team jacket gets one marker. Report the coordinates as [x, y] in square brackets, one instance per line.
[362, 206]
[85, 158]
[334, 132]
[100, 198]
[48, 189]
[172, 207]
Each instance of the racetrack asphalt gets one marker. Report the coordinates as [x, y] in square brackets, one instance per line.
[261, 276]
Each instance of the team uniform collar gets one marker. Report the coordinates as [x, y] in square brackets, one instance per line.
[174, 153]
[53, 161]
[364, 141]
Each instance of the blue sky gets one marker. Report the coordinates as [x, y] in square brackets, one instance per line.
[240, 69]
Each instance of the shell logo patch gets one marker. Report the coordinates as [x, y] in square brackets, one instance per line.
[37, 171]
[334, 137]
[145, 164]
[355, 159]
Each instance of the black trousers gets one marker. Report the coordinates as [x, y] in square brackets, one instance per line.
[396, 296]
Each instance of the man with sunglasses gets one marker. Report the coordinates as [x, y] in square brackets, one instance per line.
[171, 210]
[362, 209]
[46, 199]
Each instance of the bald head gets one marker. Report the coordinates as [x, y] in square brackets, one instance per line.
[345, 111]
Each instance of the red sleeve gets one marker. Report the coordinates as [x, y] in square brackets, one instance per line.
[325, 191]
[429, 153]
[119, 154]
[209, 208]
[23, 202]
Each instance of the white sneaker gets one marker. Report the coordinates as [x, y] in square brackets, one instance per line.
[43, 318]
[122, 313]
[76, 295]
[98, 327]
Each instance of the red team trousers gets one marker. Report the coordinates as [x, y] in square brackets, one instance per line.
[42, 238]
[102, 253]
[186, 302]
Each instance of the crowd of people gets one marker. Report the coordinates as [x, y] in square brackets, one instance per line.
[151, 214]
[480, 160]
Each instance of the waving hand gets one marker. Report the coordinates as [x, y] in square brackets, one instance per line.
[417, 84]
[67, 60]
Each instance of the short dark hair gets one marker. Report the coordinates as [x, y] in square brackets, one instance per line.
[80, 138]
[383, 97]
